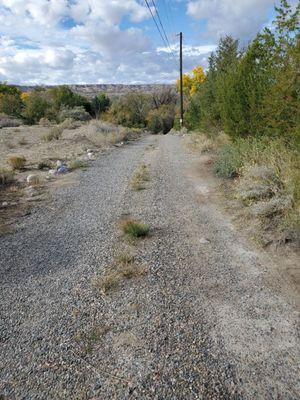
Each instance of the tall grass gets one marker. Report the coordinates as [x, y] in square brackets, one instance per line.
[269, 180]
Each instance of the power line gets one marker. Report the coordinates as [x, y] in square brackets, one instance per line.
[163, 29]
[164, 40]
[169, 16]
[157, 26]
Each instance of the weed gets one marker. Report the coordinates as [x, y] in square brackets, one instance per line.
[55, 133]
[70, 124]
[17, 162]
[44, 165]
[140, 177]
[44, 122]
[6, 176]
[131, 270]
[127, 267]
[77, 164]
[134, 228]
[125, 258]
[10, 145]
[23, 141]
[107, 282]
[90, 338]
[33, 180]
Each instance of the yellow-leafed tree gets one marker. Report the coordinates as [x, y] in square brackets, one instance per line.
[192, 82]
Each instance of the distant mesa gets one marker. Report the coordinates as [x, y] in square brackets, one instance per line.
[111, 89]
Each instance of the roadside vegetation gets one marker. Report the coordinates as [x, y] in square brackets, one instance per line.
[246, 110]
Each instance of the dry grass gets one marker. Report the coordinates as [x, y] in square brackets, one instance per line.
[124, 267]
[6, 176]
[131, 270]
[108, 282]
[44, 122]
[17, 162]
[77, 164]
[135, 229]
[33, 180]
[55, 133]
[23, 141]
[88, 339]
[70, 123]
[127, 267]
[203, 143]
[125, 258]
[140, 177]
[104, 134]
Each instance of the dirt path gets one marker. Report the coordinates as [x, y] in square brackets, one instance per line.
[212, 319]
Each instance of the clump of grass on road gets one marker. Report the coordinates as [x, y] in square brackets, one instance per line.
[135, 229]
[124, 268]
[108, 282]
[88, 339]
[140, 177]
[128, 268]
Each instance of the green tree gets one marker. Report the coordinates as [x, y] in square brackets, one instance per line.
[161, 119]
[36, 106]
[64, 96]
[100, 104]
[130, 110]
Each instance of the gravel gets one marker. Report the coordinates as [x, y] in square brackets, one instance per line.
[206, 322]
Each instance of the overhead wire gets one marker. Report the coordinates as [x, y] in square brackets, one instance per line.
[157, 26]
[162, 27]
[162, 31]
[170, 18]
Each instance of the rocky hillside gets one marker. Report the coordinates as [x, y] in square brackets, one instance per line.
[110, 89]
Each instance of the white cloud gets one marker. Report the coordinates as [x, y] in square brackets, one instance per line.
[85, 41]
[188, 50]
[241, 18]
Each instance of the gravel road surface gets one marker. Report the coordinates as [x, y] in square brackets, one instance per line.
[211, 318]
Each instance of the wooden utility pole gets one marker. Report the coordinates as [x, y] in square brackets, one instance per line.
[181, 82]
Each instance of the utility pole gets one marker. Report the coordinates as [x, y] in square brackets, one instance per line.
[181, 83]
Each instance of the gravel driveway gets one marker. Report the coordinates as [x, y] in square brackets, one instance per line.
[211, 319]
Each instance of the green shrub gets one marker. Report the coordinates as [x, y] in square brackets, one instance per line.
[36, 107]
[63, 96]
[77, 113]
[134, 228]
[11, 104]
[229, 161]
[161, 119]
[130, 110]
[100, 104]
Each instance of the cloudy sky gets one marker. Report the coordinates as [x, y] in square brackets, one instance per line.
[116, 41]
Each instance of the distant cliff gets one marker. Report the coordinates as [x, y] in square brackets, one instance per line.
[110, 89]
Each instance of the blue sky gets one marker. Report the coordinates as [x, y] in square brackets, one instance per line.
[116, 41]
